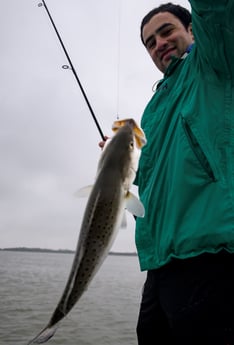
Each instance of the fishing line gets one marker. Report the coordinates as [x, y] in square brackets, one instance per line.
[118, 61]
[72, 68]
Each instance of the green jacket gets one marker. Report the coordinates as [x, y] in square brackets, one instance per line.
[186, 170]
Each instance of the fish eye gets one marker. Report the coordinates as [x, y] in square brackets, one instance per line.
[131, 145]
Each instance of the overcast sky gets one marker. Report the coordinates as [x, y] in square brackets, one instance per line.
[48, 140]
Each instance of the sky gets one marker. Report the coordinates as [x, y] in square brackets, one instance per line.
[48, 139]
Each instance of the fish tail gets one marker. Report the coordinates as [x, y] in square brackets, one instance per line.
[44, 335]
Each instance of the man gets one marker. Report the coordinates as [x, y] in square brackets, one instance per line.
[186, 177]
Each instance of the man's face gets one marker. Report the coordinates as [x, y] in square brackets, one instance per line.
[165, 36]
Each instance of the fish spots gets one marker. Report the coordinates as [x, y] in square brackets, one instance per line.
[84, 273]
[116, 171]
[89, 261]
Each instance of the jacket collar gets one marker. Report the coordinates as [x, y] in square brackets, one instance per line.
[174, 63]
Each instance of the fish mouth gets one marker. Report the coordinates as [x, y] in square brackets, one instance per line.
[138, 132]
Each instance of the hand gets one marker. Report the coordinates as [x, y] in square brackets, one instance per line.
[102, 143]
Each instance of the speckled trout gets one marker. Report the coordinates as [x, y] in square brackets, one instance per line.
[107, 201]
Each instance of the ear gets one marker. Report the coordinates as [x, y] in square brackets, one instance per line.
[190, 31]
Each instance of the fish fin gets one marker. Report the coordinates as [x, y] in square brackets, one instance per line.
[134, 205]
[83, 192]
[44, 335]
[124, 221]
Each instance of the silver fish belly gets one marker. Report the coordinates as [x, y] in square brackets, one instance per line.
[102, 218]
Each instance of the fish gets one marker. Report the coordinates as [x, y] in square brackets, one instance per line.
[138, 132]
[109, 196]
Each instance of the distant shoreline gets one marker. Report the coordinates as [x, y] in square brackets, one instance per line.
[59, 251]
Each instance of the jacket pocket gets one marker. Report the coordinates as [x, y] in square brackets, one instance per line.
[198, 151]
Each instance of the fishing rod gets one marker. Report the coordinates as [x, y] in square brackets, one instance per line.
[72, 68]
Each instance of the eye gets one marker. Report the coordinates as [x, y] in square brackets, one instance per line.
[150, 44]
[166, 32]
[131, 145]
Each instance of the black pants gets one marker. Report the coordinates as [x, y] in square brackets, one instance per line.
[189, 302]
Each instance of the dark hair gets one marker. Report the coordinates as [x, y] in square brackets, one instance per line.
[178, 11]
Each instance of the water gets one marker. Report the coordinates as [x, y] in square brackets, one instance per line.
[31, 286]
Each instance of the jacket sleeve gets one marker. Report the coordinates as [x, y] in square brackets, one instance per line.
[213, 29]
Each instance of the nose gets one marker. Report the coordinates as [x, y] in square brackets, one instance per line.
[161, 44]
